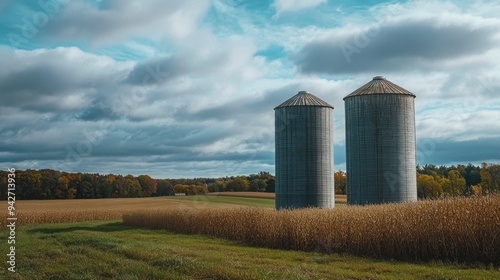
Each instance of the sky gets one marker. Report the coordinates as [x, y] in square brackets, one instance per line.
[187, 88]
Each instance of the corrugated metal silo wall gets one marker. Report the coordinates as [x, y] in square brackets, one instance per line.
[304, 157]
[380, 149]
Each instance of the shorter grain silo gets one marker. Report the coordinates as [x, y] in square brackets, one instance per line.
[380, 144]
[304, 153]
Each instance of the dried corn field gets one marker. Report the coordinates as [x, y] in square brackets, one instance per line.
[62, 216]
[79, 210]
[458, 229]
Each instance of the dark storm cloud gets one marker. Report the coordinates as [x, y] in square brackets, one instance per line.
[98, 112]
[104, 139]
[42, 78]
[158, 71]
[430, 151]
[396, 46]
[162, 70]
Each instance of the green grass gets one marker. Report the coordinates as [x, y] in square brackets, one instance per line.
[110, 250]
[247, 201]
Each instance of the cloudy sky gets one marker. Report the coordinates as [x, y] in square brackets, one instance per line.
[187, 88]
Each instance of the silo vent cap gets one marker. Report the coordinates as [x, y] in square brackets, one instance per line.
[304, 98]
[379, 85]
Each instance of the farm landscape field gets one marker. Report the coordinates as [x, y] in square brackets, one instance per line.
[86, 249]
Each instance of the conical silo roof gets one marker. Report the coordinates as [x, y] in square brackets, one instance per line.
[304, 98]
[380, 85]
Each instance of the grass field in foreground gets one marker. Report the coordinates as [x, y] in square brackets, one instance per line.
[110, 250]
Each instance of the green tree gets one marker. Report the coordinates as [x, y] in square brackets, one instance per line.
[4, 184]
[50, 184]
[472, 175]
[258, 185]
[133, 186]
[271, 185]
[163, 187]
[28, 184]
[120, 188]
[105, 184]
[148, 185]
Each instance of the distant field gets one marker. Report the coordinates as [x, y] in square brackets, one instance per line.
[338, 198]
[58, 211]
[76, 210]
[244, 194]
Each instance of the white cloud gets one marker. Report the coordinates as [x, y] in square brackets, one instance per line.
[56, 79]
[213, 114]
[116, 21]
[283, 6]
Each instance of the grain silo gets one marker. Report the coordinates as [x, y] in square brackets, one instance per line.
[304, 153]
[380, 144]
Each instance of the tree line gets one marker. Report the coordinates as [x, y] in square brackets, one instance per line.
[53, 184]
[442, 181]
[432, 182]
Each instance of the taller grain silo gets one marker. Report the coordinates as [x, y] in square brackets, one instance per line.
[304, 153]
[380, 144]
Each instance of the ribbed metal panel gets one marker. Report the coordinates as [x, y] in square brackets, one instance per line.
[379, 85]
[304, 98]
[304, 153]
[380, 147]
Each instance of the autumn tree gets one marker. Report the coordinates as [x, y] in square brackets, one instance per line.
[457, 183]
[494, 170]
[486, 178]
[119, 187]
[238, 184]
[201, 189]
[428, 187]
[340, 181]
[181, 188]
[217, 186]
[61, 190]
